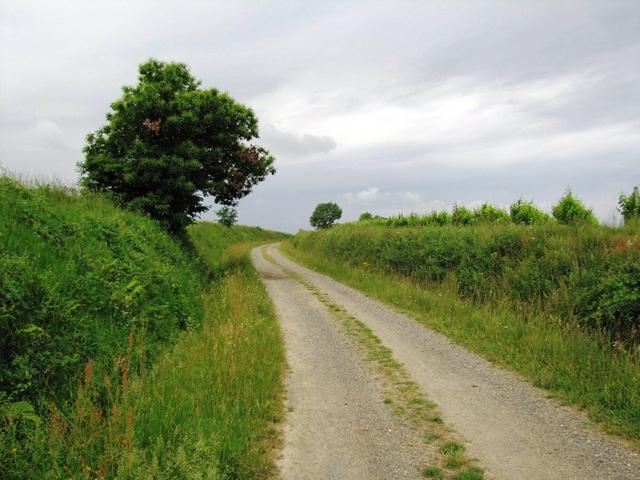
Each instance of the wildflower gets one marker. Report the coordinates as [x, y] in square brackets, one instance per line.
[14, 450]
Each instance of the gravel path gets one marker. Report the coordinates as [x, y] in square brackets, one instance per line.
[337, 426]
[512, 428]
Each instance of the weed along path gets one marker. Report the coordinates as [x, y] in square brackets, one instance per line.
[513, 430]
[337, 426]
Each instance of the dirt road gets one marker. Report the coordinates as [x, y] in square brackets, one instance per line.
[338, 416]
[337, 426]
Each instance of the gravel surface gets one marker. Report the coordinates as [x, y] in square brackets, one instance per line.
[514, 430]
[337, 426]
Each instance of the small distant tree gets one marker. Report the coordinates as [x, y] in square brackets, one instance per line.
[227, 216]
[325, 215]
[461, 215]
[629, 205]
[526, 213]
[365, 216]
[167, 144]
[569, 210]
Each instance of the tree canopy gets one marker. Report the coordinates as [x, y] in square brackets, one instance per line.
[168, 143]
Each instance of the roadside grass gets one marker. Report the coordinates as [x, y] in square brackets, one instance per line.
[402, 395]
[220, 387]
[578, 367]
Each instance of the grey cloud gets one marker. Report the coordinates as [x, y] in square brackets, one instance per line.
[294, 146]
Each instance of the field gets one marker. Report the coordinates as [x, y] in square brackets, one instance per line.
[558, 304]
[128, 354]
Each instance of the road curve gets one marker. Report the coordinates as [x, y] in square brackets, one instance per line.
[512, 428]
[337, 426]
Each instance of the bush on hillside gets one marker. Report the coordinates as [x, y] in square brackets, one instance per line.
[438, 218]
[570, 211]
[629, 205]
[526, 213]
[487, 213]
[461, 215]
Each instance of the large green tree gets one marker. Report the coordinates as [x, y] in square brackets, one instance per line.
[168, 143]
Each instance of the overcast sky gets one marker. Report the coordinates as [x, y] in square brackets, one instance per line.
[384, 107]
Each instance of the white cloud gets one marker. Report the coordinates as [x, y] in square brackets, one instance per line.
[365, 196]
[411, 197]
[368, 195]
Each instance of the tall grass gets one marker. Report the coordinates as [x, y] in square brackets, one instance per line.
[219, 387]
[533, 336]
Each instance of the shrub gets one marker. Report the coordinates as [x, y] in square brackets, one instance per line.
[365, 216]
[569, 210]
[629, 206]
[438, 218]
[612, 303]
[461, 215]
[486, 213]
[526, 213]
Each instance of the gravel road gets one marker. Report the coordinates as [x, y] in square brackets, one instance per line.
[337, 426]
[514, 430]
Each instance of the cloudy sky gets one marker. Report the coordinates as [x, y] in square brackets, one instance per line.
[384, 107]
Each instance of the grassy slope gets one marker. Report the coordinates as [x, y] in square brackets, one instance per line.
[81, 279]
[77, 277]
[219, 246]
[579, 367]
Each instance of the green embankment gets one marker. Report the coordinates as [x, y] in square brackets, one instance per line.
[77, 277]
[558, 304]
[126, 354]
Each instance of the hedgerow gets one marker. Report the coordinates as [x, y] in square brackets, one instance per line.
[586, 273]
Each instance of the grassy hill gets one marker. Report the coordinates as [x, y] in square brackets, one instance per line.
[115, 340]
[77, 278]
[558, 304]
